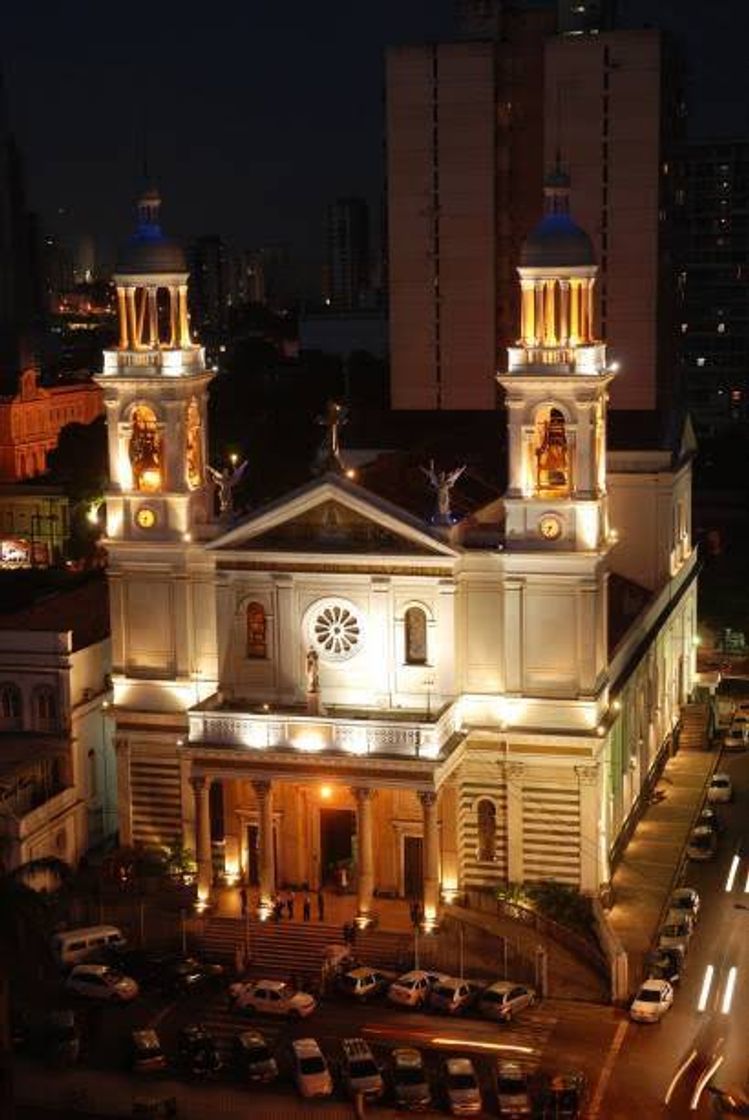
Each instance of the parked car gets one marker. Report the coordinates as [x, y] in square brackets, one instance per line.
[452, 997]
[177, 974]
[652, 1001]
[76, 946]
[720, 788]
[462, 1087]
[271, 997]
[675, 935]
[410, 1081]
[513, 1094]
[563, 1097]
[310, 1069]
[503, 999]
[362, 983]
[675, 915]
[99, 981]
[709, 818]
[737, 735]
[197, 1051]
[360, 1072]
[685, 898]
[702, 843]
[147, 1055]
[666, 964]
[252, 1057]
[413, 988]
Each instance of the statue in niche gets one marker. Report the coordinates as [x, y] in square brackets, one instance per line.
[193, 446]
[225, 482]
[552, 457]
[442, 483]
[329, 453]
[313, 671]
[144, 450]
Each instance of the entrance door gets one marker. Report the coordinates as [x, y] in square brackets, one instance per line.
[413, 866]
[253, 856]
[337, 828]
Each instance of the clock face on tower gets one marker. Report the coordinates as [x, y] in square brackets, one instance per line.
[550, 527]
[145, 517]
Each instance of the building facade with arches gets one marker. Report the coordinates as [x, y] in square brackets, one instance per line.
[335, 683]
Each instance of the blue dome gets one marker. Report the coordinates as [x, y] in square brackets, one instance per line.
[148, 250]
[557, 242]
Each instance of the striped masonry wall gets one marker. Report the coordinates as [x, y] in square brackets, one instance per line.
[476, 873]
[155, 785]
[551, 833]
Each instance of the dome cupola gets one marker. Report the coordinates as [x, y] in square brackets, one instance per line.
[148, 251]
[557, 242]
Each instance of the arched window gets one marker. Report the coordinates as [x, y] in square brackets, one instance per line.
[552, 455]
[45, 709]
[11, 708]
[415, 625]
[487, 821]
[257, 631]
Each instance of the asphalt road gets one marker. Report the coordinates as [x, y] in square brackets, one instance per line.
[651, 1054]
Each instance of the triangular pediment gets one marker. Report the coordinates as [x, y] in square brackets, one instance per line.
[333, 516]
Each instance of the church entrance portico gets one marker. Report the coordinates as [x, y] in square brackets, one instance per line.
[364, 839]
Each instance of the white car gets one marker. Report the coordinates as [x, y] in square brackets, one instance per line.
[513, 1095]
[309, 1069]
[687, 899]
[720, 789]
[413, 988]
[462, 1086]
[737, 736]
[504, 999]
[652, 1001]
[271, 997]
[99, 981]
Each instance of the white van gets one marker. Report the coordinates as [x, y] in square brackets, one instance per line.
[74, 946]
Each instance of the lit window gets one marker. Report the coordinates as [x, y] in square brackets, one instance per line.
[700, 362]
[487, 829]
[721, 328]
[257, 632]
[415, 624]
[684, 328]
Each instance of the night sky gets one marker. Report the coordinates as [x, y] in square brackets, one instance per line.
[256, 113]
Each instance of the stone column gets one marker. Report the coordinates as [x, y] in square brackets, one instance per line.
[131, 318]
[574, 312]
[365, 851]
[564, 312]
[124, 792]
[267, 869]
[539, 313]
[187, 803]
[431, 856]
[445, 658]
[173, 317]
[550, 330]
[587, 777]
[153, 321]
[202, 788]
[122, 315]
[528, 328]
[514, 779]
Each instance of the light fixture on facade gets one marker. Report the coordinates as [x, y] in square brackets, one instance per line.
[617, 705]
[326, 793]
[600, 731]
[632, 761]
[187, 537]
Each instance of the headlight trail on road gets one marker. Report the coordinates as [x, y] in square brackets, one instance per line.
[508, 1047]
[732, 873]
[706, 986]
[425, 1037]
[728, 993]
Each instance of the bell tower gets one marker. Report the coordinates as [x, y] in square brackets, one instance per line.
[556, 389]
[155, 394]
[557, 535]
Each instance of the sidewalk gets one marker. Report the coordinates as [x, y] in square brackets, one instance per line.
[647, 869]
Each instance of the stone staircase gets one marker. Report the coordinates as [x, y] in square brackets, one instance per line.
[694, 718]
[280, 949]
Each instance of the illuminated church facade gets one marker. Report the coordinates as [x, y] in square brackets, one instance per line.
[332, 681]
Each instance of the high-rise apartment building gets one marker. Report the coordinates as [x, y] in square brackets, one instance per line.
[613, 110]
[465, 173]
[472, 126]
[346, 280]
[713, 322]
[210, 284]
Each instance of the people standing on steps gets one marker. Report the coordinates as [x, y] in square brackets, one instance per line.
[307, 908]
[320, 905]
[290, 897]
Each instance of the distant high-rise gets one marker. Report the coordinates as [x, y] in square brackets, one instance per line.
[210, 280]
[614, 111]
[471, 128]
[582, 17]
[465, 172]
[713, 272]
[347, 278]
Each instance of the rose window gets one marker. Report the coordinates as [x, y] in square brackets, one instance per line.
[335, 630]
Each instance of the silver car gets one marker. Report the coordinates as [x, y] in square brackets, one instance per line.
[512, 1091]
[504, 999]
[462, 1087]
[452, 997]
[675, 935]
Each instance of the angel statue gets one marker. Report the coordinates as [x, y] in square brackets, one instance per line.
[329, 453]
[442, 482]
[226, 482]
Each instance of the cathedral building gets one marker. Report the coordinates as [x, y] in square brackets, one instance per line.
[332, 682]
